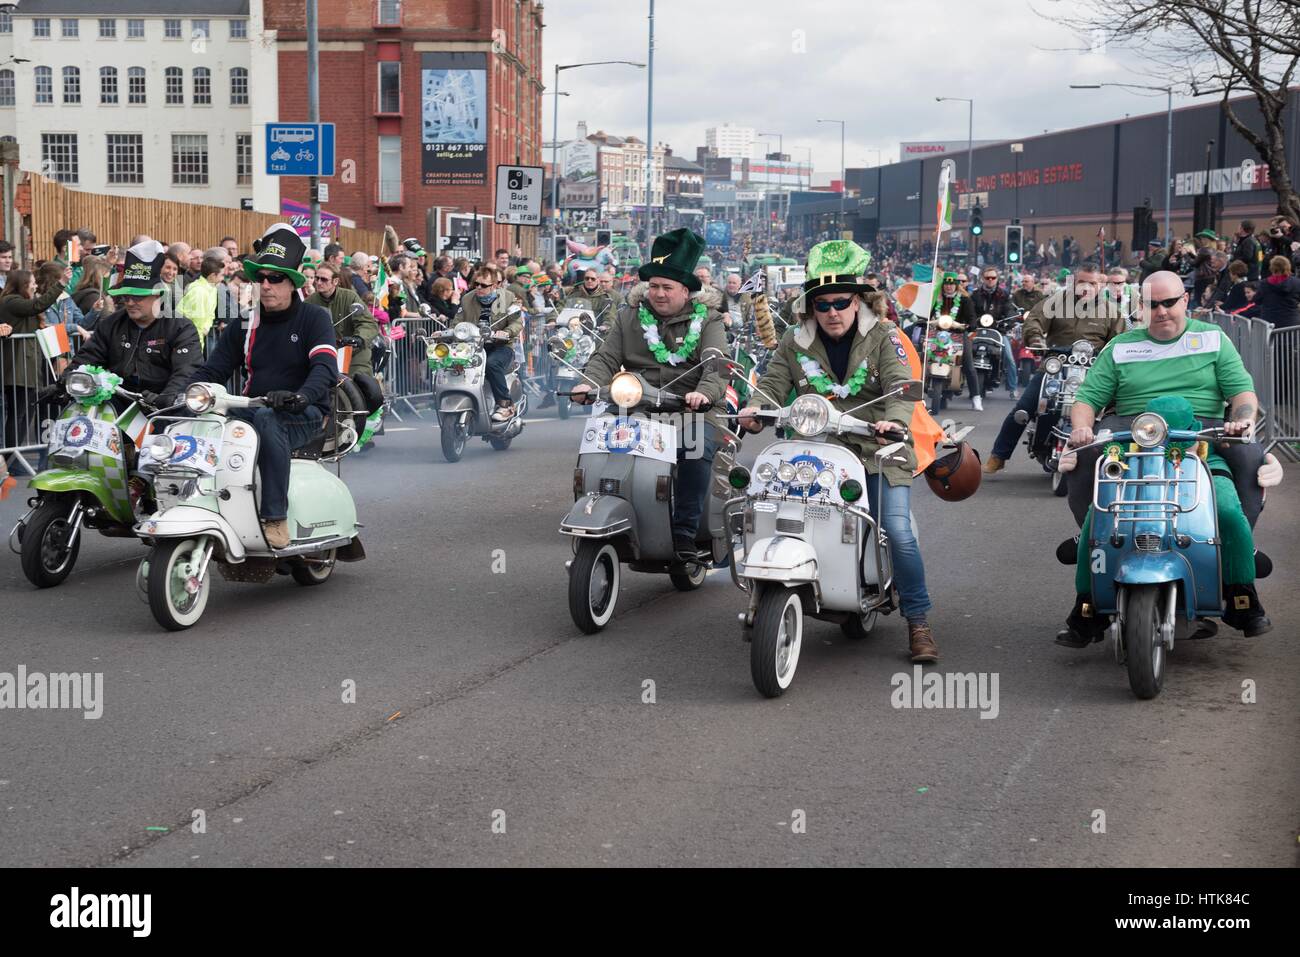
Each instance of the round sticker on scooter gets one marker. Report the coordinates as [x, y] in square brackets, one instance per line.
[622, 435]
[185, 447]
[808, 470]
[80, 432]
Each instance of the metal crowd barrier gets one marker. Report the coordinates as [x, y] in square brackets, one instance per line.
[20, 434]
[1272, 357]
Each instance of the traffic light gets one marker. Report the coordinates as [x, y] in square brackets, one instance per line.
[1015, 245]
[977, 221]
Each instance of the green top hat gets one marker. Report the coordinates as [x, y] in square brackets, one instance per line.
[1206, 234]
[280, 249]
[142, 270]
[674, 256]
[950, 277]
[1176, 411]
[836, 266]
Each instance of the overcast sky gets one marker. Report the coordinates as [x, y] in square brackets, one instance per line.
[877, 64]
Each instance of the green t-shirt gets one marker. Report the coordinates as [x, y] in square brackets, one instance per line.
[1202, 365]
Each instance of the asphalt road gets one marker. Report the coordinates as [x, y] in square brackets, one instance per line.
[487, 730]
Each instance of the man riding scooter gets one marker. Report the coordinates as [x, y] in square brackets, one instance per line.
[845, 350]
[1176, 357]
[505, 315]
[989, 298]
[287, 351]
[669, 322]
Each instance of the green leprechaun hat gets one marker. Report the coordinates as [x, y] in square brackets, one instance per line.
[835, 266]
[142, 270]
[674, 256]
[280, 249]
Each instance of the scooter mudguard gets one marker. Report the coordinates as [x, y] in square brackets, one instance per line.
[455, 402]
[64, 481]
[601, 516]
[780, 559]
[186, 521]
[320, 505]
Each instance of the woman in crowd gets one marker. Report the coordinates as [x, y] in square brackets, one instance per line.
[22, 367]
[1278, 297]
[63, 311]
[444, 308]
[89, 294]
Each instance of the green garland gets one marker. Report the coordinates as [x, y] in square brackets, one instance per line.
[825, 384]
[650, 330]
[107, 382]
[440, 364]
[956, 302]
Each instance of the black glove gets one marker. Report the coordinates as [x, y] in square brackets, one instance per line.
[282, 400]
[153, 400]
[354, 341]
[51, 392]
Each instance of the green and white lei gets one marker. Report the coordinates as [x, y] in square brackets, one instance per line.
[650, 330]
[826, 385]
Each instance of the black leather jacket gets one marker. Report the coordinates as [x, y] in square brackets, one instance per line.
[158, 358]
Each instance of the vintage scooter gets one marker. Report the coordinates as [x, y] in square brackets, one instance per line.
[576, 330]
[943, 378]
[205, 480]
[806, 542]
[1154, 546]
[986, 345]
[623, 496]
[1047, 431]
[462, 394]
[91, 448]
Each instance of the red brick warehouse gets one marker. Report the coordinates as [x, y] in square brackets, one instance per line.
[428, 96]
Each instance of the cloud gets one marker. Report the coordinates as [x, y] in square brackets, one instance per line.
[778, 66]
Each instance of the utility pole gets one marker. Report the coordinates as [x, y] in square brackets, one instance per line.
[649, 132]
[313, 115]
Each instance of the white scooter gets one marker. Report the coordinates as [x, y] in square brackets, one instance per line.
[804, 542]
[205, 479]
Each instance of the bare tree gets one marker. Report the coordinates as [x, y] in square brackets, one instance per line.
[1231, 47]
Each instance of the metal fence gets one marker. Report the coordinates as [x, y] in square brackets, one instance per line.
[24, 371]
[1272, 357]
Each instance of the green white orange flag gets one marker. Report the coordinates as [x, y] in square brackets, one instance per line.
[54, 341]
[135, 424]
[380, 287]
[945, 200]
[916, 297]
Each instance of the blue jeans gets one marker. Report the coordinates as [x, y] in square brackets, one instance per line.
[1011, 430]
[1009, 370]
[691, 489]
[904, 550]
[494, 370]
[278, 433]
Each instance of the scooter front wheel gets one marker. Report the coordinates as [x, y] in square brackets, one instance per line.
[452, 437]
[1060, 483]
[593, 585]
[1143, 647]
[777, 639]
[47, 556]
[176, 597]
[562, 406]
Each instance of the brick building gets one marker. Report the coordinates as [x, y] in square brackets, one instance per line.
[428, 97]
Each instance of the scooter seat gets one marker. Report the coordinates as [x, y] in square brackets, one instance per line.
[314, 448]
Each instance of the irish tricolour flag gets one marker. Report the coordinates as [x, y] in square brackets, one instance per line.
[54, 341]
[945, 199]
[135, 423]
[380, 287]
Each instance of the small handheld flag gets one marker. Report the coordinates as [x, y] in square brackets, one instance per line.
[53, 341]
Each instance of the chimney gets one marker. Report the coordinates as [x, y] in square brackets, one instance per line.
[582, 130]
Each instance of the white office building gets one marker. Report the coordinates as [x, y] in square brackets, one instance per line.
[150, 98]
[729, 140]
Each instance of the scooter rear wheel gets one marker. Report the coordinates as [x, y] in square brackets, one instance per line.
[1143, 647]
[452, 438]
[777, 639]
[46, 559]
[689, 578]
[314, 570]
[173, 605]
[593, 585]
[860, 626]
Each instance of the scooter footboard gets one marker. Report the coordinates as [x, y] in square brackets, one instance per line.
[184, 521]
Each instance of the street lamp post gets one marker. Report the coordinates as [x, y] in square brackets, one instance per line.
[1169, 137]
[844, 186]
[649, 132]
[555, 131]
[970, 145]
[1017, 149]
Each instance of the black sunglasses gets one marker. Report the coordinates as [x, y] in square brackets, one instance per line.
[839, 305]
[274, 278]
[1167, 303]
[484, 285]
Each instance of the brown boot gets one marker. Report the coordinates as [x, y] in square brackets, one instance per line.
[922, 641]
[277, 533]
[995, 464]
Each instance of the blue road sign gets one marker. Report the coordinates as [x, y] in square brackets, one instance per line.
[717, 233]
[300, 149]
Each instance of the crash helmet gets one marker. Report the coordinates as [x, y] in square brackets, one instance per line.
[955, 476]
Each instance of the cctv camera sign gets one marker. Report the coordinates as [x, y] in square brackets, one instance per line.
[519, 195]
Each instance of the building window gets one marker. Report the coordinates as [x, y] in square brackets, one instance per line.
[6, 87]
[243, 159]
[44, 84]
[135, 86]
[239, 86]
[135, 29]
[390, 86]
[199, 29]
[71, 84]
[389, 13]
[390, 169]
[107, 29]
[68, 29]
[174, 84]
[239, 29]
[108, 84]
[189, 159]
[202, 86]
[41, 27]
[7, 20]
[172, 29]
[59, 157]
[125, 159]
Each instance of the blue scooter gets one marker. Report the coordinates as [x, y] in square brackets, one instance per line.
[1154, 547]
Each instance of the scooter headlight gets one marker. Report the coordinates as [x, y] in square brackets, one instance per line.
[785, 472]
[159, 447]
[986, 321]
[1052, 365]
[80, 385]
[438, 350]
[765, 472]
[465, 331]
[625, 390]
[1081, 352]
[1051, 387]
[199, 398]
[809, 415]
[826, 479]
[1149, 430]
[805, 473]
